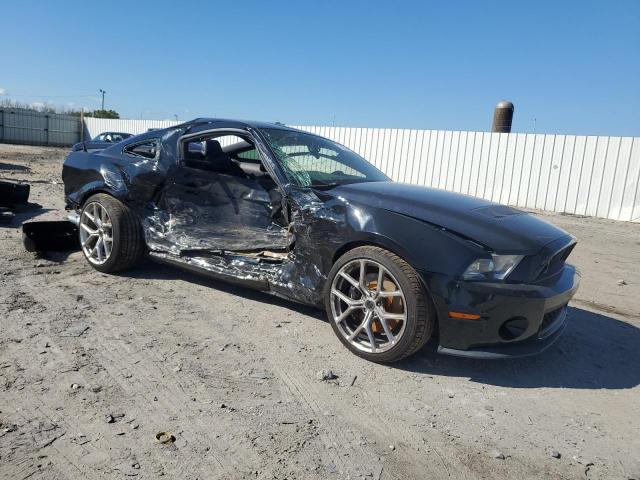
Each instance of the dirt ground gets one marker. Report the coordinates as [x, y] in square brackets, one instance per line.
[93, 366]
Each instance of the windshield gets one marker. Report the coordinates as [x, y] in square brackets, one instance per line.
[314, 161]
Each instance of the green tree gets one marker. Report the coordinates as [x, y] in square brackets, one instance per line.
[104, 114]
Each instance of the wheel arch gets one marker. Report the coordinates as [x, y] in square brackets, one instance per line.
[88, 193]
[373, 240]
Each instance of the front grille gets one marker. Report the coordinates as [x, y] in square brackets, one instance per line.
[551, 321]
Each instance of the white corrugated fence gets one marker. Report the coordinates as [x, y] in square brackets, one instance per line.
[95, 126]
[585, 175]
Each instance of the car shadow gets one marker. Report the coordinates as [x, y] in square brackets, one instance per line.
[595, 352]
[14, 168]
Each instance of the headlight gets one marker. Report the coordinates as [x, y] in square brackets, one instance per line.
[495, 268]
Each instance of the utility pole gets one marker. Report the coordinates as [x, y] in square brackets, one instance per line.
[176, 116]
[102, 92]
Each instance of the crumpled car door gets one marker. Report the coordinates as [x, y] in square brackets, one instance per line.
[200, 210]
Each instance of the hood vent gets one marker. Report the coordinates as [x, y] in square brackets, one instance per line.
[498, 211]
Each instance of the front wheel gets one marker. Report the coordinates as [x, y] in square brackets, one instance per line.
[110, 234]
[377, 306]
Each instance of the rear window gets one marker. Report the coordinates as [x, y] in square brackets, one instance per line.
[145, 149]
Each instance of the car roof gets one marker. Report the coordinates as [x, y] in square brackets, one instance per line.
[196, 125]
[229, 123]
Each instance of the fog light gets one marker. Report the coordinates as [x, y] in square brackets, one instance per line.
[513, 328]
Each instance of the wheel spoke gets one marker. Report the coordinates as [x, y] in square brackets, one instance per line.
[380, 276]
[96, 215]
[98, 249]
[387, 331]
[86, 240]
[363, 268]
[393, 316]
[372, 340]
[348, 300]
[394, 293]
[356, 332]
[350, 279]
[86, 228]
[345, 314]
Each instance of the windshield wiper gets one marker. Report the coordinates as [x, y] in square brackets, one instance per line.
[323, 185]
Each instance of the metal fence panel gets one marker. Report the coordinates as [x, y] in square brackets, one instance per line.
[38, 128]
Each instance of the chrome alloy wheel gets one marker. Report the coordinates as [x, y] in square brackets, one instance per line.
[96, 233]
[368, 306]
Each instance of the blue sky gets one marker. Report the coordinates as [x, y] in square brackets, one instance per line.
[574, 66]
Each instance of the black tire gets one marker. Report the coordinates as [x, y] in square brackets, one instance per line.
[421, 316]
[128, 244]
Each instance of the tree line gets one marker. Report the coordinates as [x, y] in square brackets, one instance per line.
[49, 108]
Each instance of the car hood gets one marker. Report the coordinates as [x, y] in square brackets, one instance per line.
[501, 228]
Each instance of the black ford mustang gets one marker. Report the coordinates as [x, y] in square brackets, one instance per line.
[305, 218]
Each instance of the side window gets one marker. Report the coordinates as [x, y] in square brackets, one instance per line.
[146, 149]
[249, 155]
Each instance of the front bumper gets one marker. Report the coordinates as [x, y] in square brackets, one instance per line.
[543, 306]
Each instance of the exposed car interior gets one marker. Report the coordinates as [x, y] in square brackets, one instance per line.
[227, 154]
[223, 198]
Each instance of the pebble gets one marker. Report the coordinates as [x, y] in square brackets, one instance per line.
[177, 368]
[621, 282]
[392, 447]
[75, 386]
[555, 454]
[325, 375]
[497, 454]
[109, 418]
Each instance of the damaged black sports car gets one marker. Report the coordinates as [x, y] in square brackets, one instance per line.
[302, 217]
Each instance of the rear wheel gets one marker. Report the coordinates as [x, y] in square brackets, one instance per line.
[110, 234]
[377, 306]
